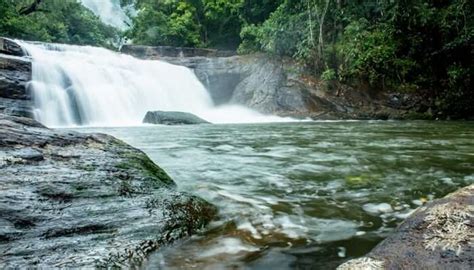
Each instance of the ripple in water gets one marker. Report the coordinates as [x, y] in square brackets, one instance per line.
[303, 195]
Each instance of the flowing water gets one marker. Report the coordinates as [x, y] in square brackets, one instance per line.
[110, 12]
[302, 195]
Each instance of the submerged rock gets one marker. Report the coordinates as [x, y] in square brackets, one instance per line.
[71, 200]
[172, 118]
[439, 235]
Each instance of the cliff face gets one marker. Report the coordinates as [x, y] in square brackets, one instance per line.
[15, 74]
[281, 86]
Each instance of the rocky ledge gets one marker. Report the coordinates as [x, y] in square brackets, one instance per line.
[72, 200]
[439, 235]
[168, 51]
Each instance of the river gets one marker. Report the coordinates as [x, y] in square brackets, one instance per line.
[306, 195]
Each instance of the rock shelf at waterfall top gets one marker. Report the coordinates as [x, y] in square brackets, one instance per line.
[72, 200]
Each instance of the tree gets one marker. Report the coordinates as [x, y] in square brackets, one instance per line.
[64, 21]
[31, 8]
[321, 11]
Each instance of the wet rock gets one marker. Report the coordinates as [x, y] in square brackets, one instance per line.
[15, 73]
[10, 47]
[172, 118]
[28, 154]
[439, 235]
[16, 107]
[157, 52]
[71, 200]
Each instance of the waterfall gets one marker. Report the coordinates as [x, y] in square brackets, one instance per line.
[109, 11]
[82, 85]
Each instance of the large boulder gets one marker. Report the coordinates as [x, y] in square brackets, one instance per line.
[439, 235]
[72, 200]
[172, 118]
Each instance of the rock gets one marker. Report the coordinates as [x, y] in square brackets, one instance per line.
[172, 118]
[28, 154]
[16, 107]
[15, 73]
[10, 47]
[157, 52]
[72, 200]
[439, 235]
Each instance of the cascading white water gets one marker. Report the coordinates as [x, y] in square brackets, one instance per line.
[109, 11]
[76, 85]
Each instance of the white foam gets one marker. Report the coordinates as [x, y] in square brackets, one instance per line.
[227, 246]
[380, 208]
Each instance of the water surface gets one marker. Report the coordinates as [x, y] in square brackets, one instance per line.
[302, 195]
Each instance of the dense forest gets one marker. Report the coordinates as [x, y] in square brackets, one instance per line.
[417, 46]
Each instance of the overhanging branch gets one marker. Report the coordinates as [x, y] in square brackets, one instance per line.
[31, 8]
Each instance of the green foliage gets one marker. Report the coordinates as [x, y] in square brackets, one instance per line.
[165, 23]
[369, 52]
[198, 23]
[250, 35]
[64, 21]
[284, 32]
[404, 46]
[329, 75]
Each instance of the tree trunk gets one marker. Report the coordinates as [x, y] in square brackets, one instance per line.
[320, 16]
[31, 8]
[311, 35]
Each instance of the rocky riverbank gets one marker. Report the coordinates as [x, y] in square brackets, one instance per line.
[72, 200]
[439, 235]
